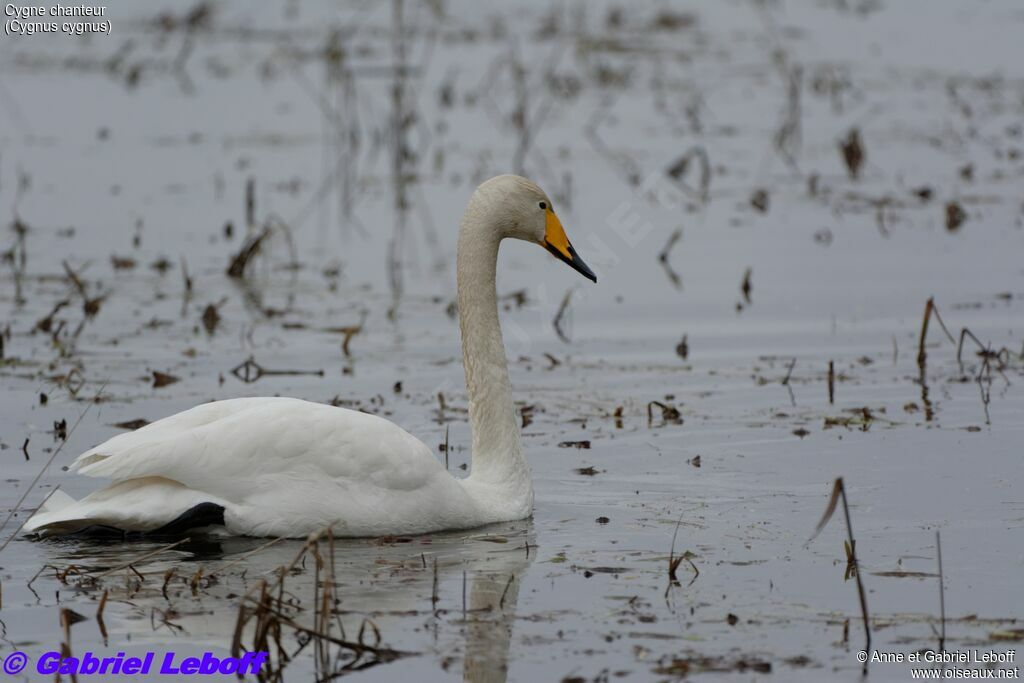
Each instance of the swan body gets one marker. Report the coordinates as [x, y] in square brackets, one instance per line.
[288, 467]
[279, 467]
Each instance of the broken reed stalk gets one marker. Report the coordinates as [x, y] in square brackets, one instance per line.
[942, 594]
[251, 247]
[696, 572]
[667, 249]
[674, 562]
[504, 593]
[787, 378]
[929, 310]
[789, 373]
[349, 332]
[663, 258]
[250, 204]
[168, 575]
[99, 617]
[921, 355]
[434, 596]
[839, 493]
[102, 606]
[985, 352]
[668, 413]
[557, 322]
[831, 383]
[986, 394]
[186, 281]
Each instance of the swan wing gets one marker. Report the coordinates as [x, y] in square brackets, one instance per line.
[228, 447]
[144, 504]
[268, 467]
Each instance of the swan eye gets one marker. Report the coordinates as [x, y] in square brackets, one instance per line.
[543, 205]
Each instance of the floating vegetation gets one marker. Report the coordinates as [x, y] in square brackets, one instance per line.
[852, 149]
[669, 413]
[250, 371]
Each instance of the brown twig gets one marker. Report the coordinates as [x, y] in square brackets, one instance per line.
[839, 492]
[831, 383]
[668, 413]
[99, 616]
[674, 562]
[929, 310]
[673, 276]
[789, 372]
[249, 249]
[557, 322]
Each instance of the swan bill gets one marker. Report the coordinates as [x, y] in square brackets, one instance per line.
[556, 241]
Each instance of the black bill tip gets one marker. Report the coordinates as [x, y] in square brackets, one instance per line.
[573, 260]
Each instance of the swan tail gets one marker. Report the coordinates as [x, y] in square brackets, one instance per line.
[151, 506]
[58, 500]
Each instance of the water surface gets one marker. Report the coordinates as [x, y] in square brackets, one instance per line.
[123, 159]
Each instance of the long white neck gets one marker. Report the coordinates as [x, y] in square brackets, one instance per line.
[498, 463]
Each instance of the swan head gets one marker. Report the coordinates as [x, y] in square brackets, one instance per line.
[521, 210]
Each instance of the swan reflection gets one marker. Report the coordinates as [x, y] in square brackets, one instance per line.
[463, 586]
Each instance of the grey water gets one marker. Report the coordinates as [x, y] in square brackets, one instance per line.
[763, 188]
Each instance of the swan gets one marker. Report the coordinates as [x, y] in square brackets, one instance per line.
[273, 466]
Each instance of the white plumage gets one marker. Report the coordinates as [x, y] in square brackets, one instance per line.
[287, 467]
[279, 466]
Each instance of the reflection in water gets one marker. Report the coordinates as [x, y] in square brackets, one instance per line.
[492, 608]
[187, 598]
